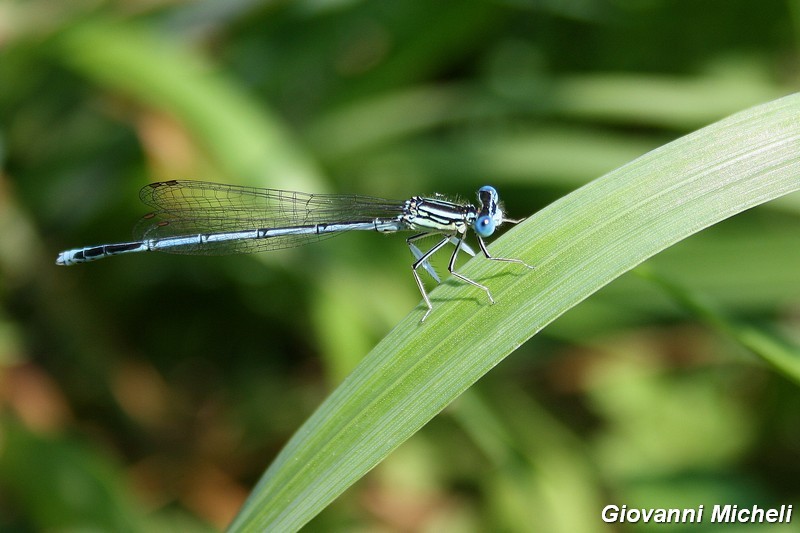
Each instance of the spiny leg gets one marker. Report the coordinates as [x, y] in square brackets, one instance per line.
[451, 268]
[417, 253]
[504, 259]
[423, 260]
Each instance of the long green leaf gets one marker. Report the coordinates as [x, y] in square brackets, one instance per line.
[578, 244]
[244, 138]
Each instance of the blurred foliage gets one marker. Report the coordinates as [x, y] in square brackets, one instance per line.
[150, 392]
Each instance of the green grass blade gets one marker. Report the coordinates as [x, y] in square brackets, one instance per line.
[244, 138]
[773, 350]
[578, 244]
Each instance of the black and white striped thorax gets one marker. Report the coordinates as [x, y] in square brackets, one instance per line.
[436, 214]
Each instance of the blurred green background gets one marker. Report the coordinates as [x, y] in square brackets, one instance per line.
[149, 392]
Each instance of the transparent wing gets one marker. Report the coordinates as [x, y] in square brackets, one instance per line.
[185, 208]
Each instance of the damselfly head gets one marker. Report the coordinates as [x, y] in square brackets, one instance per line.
[490, 215]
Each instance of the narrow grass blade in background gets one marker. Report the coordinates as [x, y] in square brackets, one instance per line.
[245, 139]
[578, 244]
[773, 350]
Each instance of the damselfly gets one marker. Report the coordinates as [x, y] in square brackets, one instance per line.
[201, 218]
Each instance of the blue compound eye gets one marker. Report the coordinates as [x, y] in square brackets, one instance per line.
[484, 226]
[488, 188]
